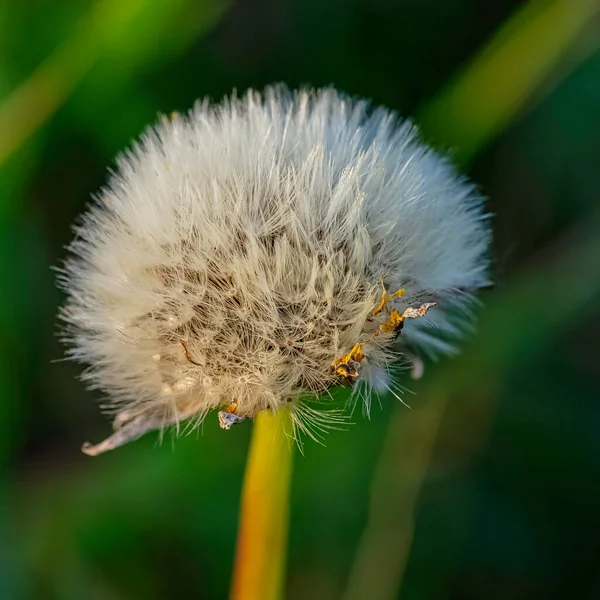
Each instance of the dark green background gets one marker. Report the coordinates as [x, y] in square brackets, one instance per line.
[509, 504]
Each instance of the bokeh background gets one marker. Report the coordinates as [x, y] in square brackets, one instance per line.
[489, 487]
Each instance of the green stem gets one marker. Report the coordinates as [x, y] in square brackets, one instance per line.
[262, 537]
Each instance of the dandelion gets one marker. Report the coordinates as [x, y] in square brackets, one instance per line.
[259, 252]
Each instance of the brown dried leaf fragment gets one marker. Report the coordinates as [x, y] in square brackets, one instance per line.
[228, 419]
[396, 320]
[413, 313]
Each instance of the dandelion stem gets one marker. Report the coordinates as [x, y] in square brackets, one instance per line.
[262, 537]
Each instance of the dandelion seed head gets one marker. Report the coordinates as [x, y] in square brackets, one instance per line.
[237, 252]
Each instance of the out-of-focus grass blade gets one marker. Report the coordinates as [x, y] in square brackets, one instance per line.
[481, 100]
[114, 40]
[133, 29]
[46, 89]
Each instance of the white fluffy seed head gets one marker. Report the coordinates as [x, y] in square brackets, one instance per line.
[238, 252]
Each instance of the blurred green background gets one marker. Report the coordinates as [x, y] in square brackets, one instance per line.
[489, 487]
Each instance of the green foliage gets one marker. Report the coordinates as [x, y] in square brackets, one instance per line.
[507, 503]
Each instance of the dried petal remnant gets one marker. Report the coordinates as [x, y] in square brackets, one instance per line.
[385, 298]
[346, 366]
[394, 323]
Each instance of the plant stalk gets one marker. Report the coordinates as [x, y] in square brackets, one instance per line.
[259, 569]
